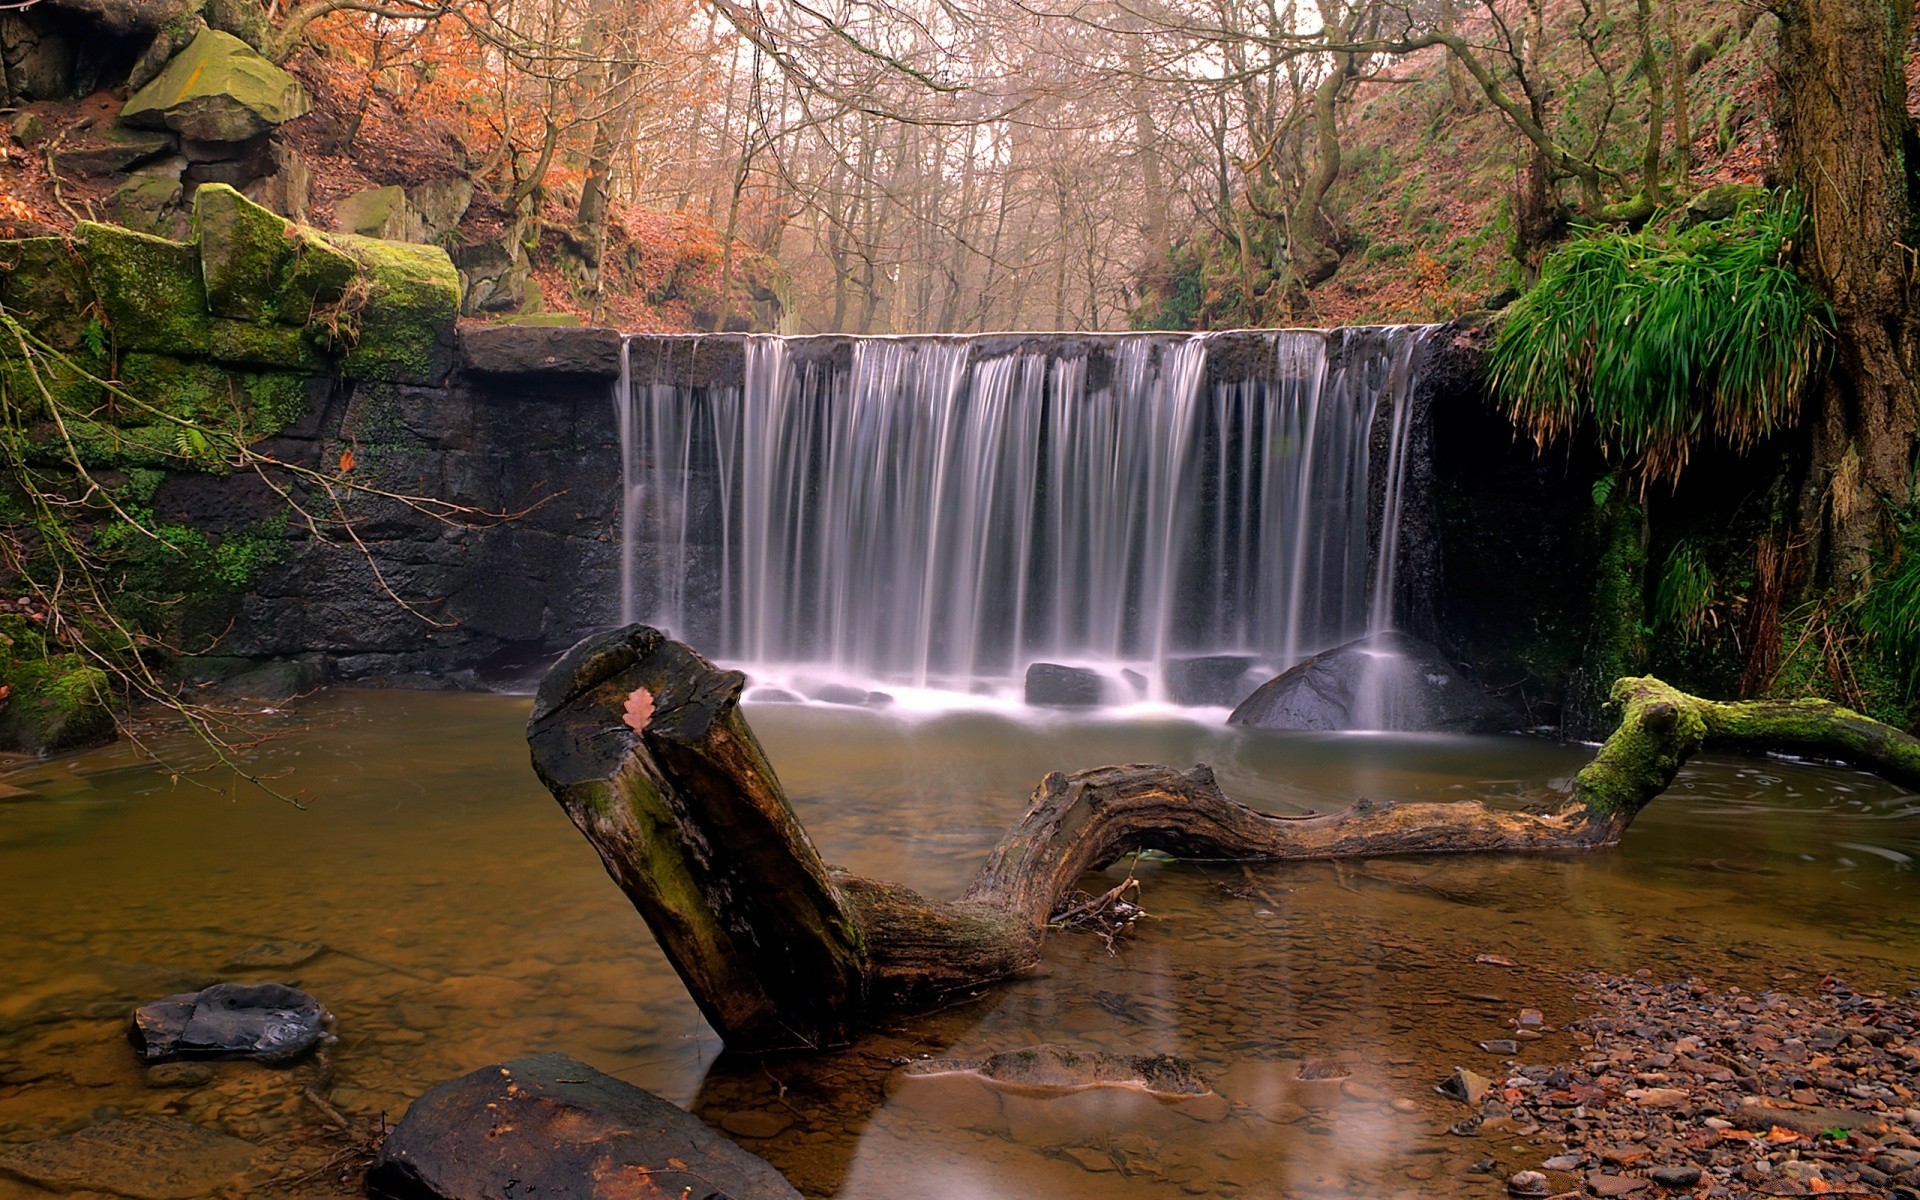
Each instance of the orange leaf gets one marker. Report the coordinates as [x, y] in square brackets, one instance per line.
[639, 709]
[1780, 1133]
[346, 461]
[676, 1164]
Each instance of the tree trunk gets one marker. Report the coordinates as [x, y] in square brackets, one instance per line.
[1846, 144]
[643, 744]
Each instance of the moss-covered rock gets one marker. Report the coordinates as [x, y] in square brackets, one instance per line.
[146, 203]
[405, 325]
[44, 284]
[149, 288]
[382, 212]
[244, 251]
[219, 89]
[317, 277]
[53, 701]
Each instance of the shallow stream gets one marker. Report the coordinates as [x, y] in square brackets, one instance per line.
[435, 898]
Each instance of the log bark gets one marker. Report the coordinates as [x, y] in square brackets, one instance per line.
[643, 744]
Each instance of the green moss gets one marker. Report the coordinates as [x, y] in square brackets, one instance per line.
[277, 400]
[317, 276]
[187, 388]
[54, 701]
[244, 249]
[1660, 728]
[406, 322]
[149, 288]
[44, 283]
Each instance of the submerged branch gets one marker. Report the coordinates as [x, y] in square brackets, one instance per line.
[642, 742]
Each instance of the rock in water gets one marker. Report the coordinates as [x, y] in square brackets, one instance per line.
[147, 1158]
[1387, 681]
[1050, 685]
[269, 1022]
[554, 1127]
[1056, 1070]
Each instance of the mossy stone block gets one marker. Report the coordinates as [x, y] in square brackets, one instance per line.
[22, 386]
[219, 89]
[149, 287]
[44, 285]
[317, 277]
[187, 388]
[54, 701]
[146, 203]
[381, 212]
[242, 343]
[244, 250]
[405, 332]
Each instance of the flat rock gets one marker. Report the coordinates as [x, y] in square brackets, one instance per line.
[145, 1158]
[1387, 681]
[541, 350]
[110, 151]
[556, 1128]
[1808, 1121]
[269, 1022]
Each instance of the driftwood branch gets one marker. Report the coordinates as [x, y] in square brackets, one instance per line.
[642, 742]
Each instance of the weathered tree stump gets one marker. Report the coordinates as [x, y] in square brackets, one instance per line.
[642, 742]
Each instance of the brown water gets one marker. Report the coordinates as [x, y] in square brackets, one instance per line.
[464, 921]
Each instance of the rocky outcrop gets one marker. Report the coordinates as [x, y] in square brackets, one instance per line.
[556, 1128]
[218, 89]
[1387, 681]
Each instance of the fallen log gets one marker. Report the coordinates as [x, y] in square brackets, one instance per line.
[643, 744]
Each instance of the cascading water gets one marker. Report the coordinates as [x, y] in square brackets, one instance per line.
[941, 512]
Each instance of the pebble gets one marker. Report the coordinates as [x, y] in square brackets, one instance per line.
[1676, 1177]
[1529, 1183]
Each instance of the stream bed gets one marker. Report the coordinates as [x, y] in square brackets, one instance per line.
[434, 897]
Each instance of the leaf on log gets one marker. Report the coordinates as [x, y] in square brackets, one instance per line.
[639, 710]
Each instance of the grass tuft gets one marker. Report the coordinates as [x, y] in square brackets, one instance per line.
[1658, 338]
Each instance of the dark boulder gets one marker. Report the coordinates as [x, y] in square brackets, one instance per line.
[1387, 681]
[1218, 679]
[556, 1128]
[269, 1022]
[1050, 685]
[536, 350]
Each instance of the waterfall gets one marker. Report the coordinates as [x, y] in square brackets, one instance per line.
[940, 512]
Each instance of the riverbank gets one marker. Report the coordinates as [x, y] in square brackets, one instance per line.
[1686, 1089]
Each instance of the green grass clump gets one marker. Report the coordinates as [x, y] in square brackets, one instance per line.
[1657, 338]
[1890, 614]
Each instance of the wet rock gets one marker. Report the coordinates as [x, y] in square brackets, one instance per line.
[217, 90]
[268, 1022]
[1467, 1086]
[1505, 1046]
[554, 1127]
[1217, 679]
[1529, 1183]
[844, 693]
[144, 1158]
[1614, 1185]
[1051, 685]
[1388, 681]
[1055, 1070]
[1676, 1177]
[534, 350]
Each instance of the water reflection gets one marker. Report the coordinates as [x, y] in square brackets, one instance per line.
[465, 922]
